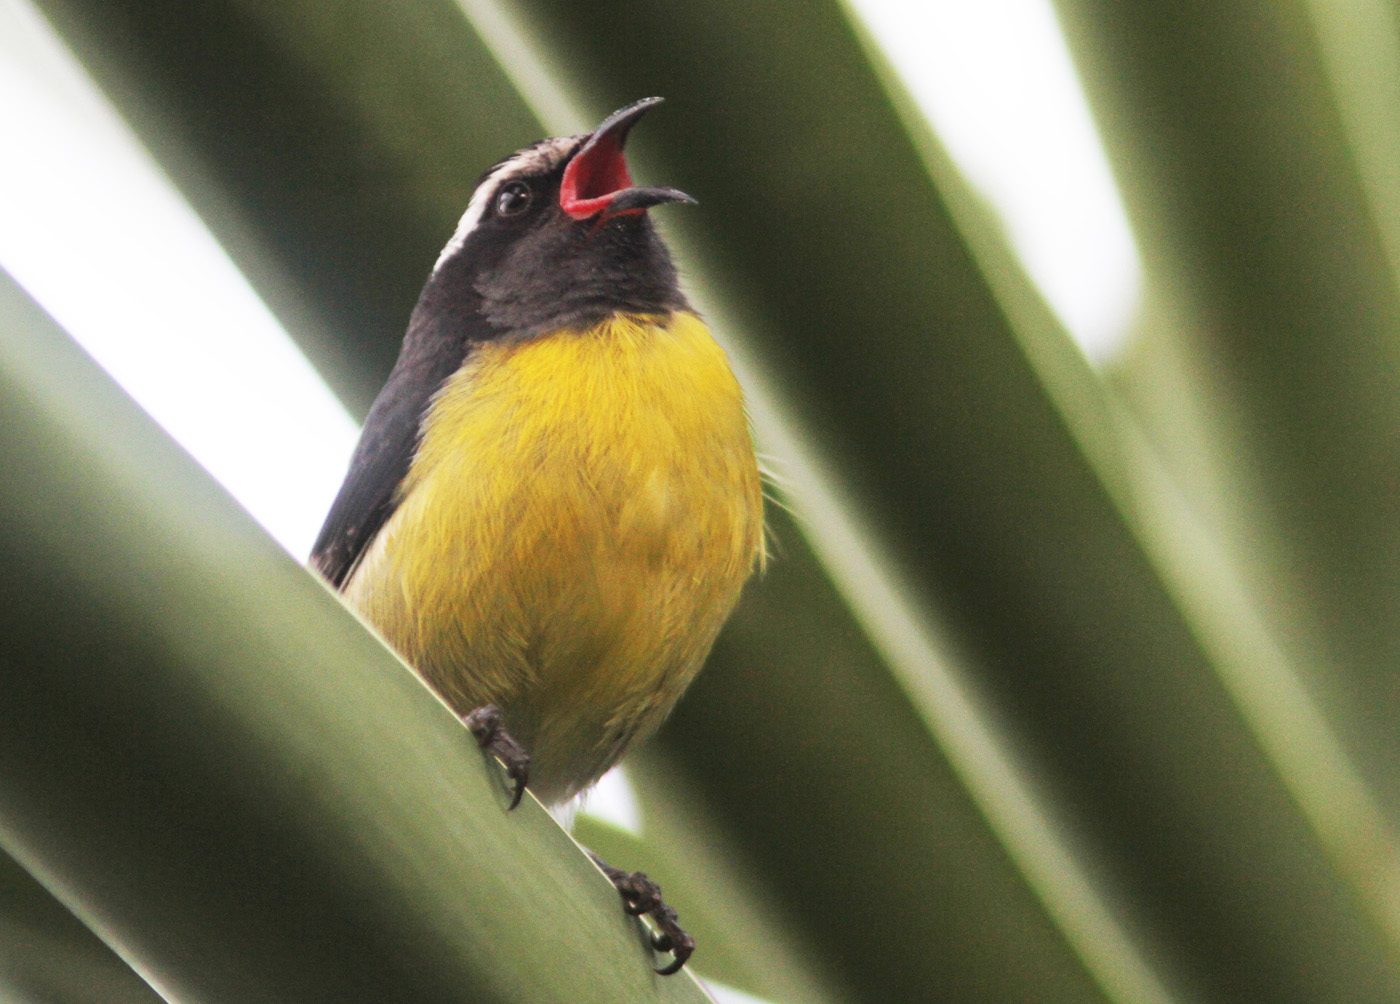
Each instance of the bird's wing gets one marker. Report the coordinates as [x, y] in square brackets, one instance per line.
[381, 459]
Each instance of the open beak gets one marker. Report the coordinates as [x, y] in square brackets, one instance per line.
[596, 180]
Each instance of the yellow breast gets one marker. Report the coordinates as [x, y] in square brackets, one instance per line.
[575, 527]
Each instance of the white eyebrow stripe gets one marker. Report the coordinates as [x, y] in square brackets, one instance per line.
[475, 208]
[538, 159]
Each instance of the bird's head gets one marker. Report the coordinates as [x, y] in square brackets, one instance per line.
[557, 235]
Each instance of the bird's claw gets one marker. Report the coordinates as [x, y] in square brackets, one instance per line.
[642, 897]
[673, 938]
[487, 724]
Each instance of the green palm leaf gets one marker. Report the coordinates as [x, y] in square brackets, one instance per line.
[1060, 688]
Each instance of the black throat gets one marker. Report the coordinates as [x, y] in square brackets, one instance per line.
[556, 274]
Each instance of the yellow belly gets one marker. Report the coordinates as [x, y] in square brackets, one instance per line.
[575, 528]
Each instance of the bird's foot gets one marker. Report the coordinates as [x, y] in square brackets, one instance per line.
[488, 725]
[642, 897]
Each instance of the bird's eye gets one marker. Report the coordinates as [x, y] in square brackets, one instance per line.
[513, 197]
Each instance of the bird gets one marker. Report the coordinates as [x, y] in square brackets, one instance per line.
[555, 501]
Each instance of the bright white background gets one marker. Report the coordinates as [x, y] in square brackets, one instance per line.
[95, 232]
[995, 79]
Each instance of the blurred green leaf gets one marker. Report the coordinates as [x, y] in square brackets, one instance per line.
[342, 125]
[1266, 376]
[1058, 689]
[218, 770]
[47, 956]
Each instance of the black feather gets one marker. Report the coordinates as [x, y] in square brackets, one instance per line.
[434, 348]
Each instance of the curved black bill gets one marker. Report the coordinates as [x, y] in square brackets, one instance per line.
[617, 125]
[596, 179]
[633, 199]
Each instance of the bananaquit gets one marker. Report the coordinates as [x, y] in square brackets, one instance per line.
[554, 502]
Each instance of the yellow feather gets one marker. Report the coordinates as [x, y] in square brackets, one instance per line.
[574, 529]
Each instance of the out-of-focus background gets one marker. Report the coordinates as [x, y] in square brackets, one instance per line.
[1071, 332]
